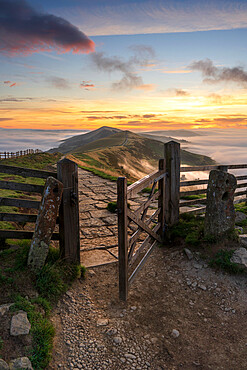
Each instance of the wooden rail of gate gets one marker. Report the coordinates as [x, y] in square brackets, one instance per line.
[68, 221]
[20, 153]
[167, 213]
[203, 191]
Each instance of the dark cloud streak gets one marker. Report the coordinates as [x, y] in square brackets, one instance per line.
[25, 30]
[215, 74]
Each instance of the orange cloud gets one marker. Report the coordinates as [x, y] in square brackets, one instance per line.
[146, 87]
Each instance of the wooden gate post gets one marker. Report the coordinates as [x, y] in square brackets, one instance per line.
[172, 188]
[122, 237]
[69, 232]
[161, 199]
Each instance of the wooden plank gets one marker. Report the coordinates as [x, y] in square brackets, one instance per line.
[26, 172]
[199, 168]
[237, 166]
[241, 178]
[242, 185]
[135, 188]
[143, 226]
[197, 211]
[122, 237]
[194, 182]
[192, 202]
[16, 202]
[161, 200]
[172, 156]
[21, 234]
[29, 188]
[17, 217]
[147, 203]
[146, 241]
[240, 193]
[193, 192]
[141, 263]
[135, 236]
[67, 173]
[212, 167]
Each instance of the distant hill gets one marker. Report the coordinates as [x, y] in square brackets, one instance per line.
[163, 139]
[128, 154]
[174, 133]
[74, 142]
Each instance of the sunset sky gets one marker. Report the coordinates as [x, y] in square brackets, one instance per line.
[135, 64]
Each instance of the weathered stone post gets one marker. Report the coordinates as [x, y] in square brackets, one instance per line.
[45, 223]
[220, 212]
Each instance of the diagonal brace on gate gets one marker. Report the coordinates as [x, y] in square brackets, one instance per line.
[143, 226]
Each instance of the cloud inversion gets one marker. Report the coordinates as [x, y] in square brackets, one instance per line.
[215, 74]
[24, 30]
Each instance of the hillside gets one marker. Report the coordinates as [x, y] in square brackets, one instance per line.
[74, 142]
[129, 154]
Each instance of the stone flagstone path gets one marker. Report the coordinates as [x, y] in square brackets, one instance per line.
[98, 226]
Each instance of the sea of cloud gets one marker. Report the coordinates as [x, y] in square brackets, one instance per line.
[13, 140]
[225, 146]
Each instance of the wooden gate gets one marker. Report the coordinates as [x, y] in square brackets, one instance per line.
[139, 230]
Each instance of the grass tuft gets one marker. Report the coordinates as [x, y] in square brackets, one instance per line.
[222, 260]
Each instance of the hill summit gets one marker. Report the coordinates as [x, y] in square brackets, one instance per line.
[116, 153]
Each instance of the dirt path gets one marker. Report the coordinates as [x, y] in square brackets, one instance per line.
[180, 312]
[208, 309]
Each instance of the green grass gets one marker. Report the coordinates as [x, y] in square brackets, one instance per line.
[193, 196]
[1, 343]
[5, 280]
[241, 207]
[50, 282]
[42, 332]
[190, 228]
[222, 260]
[112, 207]
[99, 173]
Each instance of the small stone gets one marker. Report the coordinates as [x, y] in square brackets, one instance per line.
[188, 253]
[175, 333]
[20, 324]
[130, 356]
[21, 363]
[203, 287]
[4, 308]
[133, 308]
[243, 240]
[240, 216]
[3, 365]
[197, 266]
[111, 331]
[194, 284]
[240, 257]
[117, 340]
[102, 322]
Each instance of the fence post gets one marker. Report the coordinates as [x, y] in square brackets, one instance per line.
[69, 232]
[172, 188]
[223, 168]
[161, 199]
[122, 237]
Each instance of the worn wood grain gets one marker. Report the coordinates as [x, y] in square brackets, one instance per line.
[26, 172]
[122, 237]
[172, 157]
[29, 188]
[16, 202]
[67, 173]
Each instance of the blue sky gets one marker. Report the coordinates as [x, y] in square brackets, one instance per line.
[183, 63]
